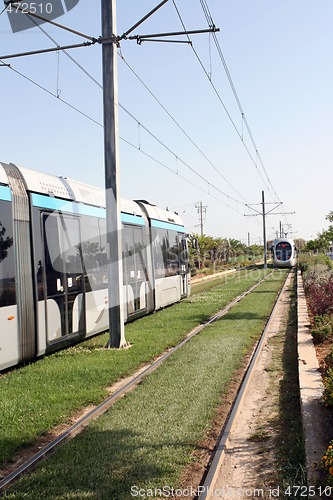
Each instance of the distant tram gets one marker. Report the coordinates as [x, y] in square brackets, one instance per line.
[284, 253]
[53, 262]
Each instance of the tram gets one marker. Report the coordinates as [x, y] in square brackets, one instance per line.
[284, 253]
[53, 262]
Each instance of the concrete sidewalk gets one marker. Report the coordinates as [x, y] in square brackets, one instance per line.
[311, 390]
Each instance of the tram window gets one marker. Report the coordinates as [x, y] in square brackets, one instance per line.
[7, 261]
[166, 252]
[71, 244]
[38, 248]
[129, 254]
[173, 254]
[93, 249]
[283, 251]
[160, 244]
[133, 255]
[63, 250]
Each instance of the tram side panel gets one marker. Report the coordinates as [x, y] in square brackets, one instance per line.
[9, 335]
[71, 270]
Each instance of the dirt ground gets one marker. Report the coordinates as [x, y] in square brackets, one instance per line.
[249, 469]
[250, 463]
[249, 458]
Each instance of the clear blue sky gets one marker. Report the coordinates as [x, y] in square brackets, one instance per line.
[279, 55]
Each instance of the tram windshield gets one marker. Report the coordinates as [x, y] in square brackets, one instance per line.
[283, 251]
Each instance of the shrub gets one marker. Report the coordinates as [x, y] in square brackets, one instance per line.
[320, 294]
[323, 320]
[321, 334]
[327, 463]
[328, 362]
[316, 274]
[328, 389]
[307, 261]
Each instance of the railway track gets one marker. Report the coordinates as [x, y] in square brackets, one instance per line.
[74, 429]
[206, 489]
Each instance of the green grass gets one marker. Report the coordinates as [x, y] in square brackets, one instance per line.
[148, 437]
[37, 397]
[290, 439]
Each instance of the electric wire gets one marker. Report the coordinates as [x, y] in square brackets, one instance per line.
[157, 100]
[178, 125]
[220, 98]
[210, 23]
[179, 175]
[177, 157]
[147, 130]
[137, 121]
[125, 140]
[53, 95]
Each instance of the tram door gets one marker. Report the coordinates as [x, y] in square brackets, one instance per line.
[134, 269]
[63, 276]
[184, 263]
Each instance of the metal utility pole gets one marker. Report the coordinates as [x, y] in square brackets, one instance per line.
[201, 211]
[110, 41]
[111, 159]
[264, 227]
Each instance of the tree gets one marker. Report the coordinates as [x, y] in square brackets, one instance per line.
[5, 243]
[324, 240]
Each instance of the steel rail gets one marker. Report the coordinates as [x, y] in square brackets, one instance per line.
[74, 429]
[205, 489]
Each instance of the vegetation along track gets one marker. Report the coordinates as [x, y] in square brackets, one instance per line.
[121, 493]
[207, 487]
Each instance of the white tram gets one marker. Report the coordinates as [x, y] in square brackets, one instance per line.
[53, 262]
[284, 253]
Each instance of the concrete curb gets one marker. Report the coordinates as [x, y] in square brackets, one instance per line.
[311, 389]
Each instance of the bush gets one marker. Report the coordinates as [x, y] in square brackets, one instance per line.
[327, 463]
[318, 284]
[321, 334]
[328, 362]
[328, 388]
[307, 261]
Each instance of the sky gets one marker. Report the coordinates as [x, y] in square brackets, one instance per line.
[183, 134]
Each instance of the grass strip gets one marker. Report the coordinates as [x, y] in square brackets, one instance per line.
[39, 396]
[289, 439]
[147, 438]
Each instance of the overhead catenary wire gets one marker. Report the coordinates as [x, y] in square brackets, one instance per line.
[125, 140]
[179, 175]
[244, 120]
[178, 125]
[177, 157]
[44, 89]
[57, 48]
[210, 22]
[220, 99]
